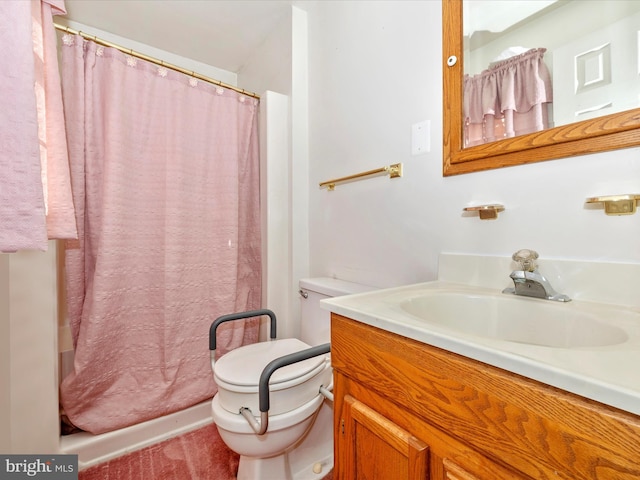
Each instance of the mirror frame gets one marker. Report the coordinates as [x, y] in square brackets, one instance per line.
[610, 132]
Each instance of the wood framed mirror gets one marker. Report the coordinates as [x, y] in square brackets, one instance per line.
[604, 133]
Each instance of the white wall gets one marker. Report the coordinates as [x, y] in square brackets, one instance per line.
[280, 64]
[225, 76]
[269, 67]
[28, 371]
[5, 356]
[274, 204]
[376, 68]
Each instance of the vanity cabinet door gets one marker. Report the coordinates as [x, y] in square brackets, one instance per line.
[384, 428]
[375, 448]
[453, 471]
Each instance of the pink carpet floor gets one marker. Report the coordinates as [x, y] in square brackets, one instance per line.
[197, 455]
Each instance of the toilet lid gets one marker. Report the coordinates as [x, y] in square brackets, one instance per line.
[244, 365]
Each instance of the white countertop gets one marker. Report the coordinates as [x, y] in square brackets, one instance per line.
[608, 374]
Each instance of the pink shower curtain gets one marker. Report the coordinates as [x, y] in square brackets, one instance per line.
[510, 98]
[165, 179]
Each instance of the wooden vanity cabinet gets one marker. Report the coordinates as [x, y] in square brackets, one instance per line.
[406, 410]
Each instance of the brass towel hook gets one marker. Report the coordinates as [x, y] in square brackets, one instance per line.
[617, 204]
[486, 212]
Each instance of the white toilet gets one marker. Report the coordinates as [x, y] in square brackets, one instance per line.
[298, 443]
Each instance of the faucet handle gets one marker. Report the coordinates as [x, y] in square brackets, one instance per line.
[527, 259]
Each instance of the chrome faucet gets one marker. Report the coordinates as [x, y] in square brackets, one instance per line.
[529, 282]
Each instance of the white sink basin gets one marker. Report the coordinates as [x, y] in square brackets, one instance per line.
[514, 319]
[589, 346]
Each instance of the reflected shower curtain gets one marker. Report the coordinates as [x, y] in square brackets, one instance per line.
[165, 183]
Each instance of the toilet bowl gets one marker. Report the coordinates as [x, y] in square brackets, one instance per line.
[284, 430]
[295, 399]
[298, 442]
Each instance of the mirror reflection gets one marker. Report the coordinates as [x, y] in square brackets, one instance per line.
[537, 64]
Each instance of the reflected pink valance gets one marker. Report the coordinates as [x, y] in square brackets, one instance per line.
[510, 98]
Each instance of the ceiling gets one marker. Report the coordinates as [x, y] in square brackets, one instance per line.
[221, 33]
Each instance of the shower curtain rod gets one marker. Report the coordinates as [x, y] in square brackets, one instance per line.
[162, 63]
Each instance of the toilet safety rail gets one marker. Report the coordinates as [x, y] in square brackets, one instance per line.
[238, 316]
[263, 385]
[260, 428]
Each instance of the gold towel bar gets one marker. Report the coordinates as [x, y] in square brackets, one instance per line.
[394, 171]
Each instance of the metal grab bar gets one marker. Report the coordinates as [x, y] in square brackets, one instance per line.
[237, 316]
[327, 393]
[263, 386]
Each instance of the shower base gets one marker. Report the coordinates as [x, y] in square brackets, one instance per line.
[93, 449]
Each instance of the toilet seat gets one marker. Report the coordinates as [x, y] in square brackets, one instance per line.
[242, 366]
[237, 375]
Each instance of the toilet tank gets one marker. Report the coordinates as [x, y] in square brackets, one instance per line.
[315, 322]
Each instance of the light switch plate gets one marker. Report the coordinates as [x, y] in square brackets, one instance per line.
[420, 137]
